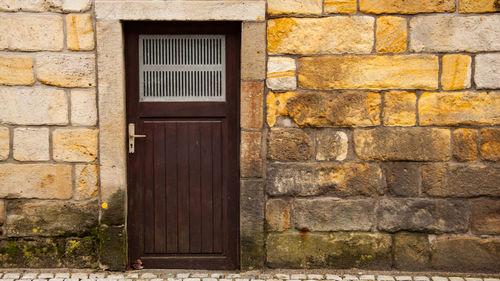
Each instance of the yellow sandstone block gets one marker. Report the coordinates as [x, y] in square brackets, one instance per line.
[392, 34]
[456, 73]
[478, 6]
[75, 145]
[400, 109]
[16, 70]
[340, 6]
[297, 7]
[80, 33]
[405, 6]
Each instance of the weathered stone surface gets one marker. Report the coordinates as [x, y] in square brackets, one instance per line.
[75, 145]
[31, 144]
[80, 32]
[289, 144]
[281, 73]
[334, 250]
[43, 181]
[459, 108]
[411, 251]
[66, 70]
[54, 218]
[16, 70]
[347, 179]
[33, 106]
[331, 145]
[295, 7]
[485, 216]
[369, 72]
[323, 35]
[340, 6]
[460, 180]
[2, 212]
[83, 108]
[402, 178]
[456, 73]
[252, 99]
[253, 50]
[465, 144]
[466, 254]
[450, 33]
[490, 144]
[333, 214]
[278, 214]
[32, 32]
[321, 109]
[478, 6]
[406, 7]
[4, 143]
[86, 185]
[392, 34]
[252, 205]
[413, 144]
[113, 247]
[487, 71]
[251, 157]
[400, 109]
[45, 5]
[435, 216]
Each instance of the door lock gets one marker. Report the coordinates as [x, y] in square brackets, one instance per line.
[131, 137]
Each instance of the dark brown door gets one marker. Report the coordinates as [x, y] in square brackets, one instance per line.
[182, 85]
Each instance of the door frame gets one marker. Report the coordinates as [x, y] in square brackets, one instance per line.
[112, 114]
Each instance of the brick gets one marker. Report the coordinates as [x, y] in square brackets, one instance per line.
[400, 109]
[80, 32]
[456, 73]
[31, 144]
[33, 106]
[253, 50]
[402, 178]
[66, 70]
[16, 70]
[322, 109]
[392, 34]
[75, 145]
[251, 157]
[32, 32]
[478, 6]
[460, 180]
[252, 100]
[406, 7]
[450, 33]
[411, 251]
[465, 144]
[485, 216]
[278, 214]
[490, 144]
[413, 144]
[45, 5]
[308, 179]
[333, 214]
[487, 71]
[4, 143]
[331, 145]
[329, 250]
[42, 218]
[281, 73]
[287, 35]
[422, 215]
[83, 108]
[369, 72]
[289, 145]
[86, 184]
[43, 181]
[459, 108]
[466, 254]
[340, 6]
[294, 7]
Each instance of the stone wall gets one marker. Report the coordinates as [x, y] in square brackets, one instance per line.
[383, 140]
[373, 143]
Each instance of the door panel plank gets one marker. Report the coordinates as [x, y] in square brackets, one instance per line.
[194, 188]
[206, 187]
[148, 191]
[171, 185]
[182, 183]
[217, 186]
[159, 187]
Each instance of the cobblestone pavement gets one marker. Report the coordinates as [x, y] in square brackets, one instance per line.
[269, 275]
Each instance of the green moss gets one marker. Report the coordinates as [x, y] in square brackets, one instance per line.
[112, 247]
[114, 214]
[252, 252]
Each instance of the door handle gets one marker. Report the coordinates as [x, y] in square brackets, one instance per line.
[131, 137]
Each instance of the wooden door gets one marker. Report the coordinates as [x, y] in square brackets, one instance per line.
[183, 177]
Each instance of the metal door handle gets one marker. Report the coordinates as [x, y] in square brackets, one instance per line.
[131, 137]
